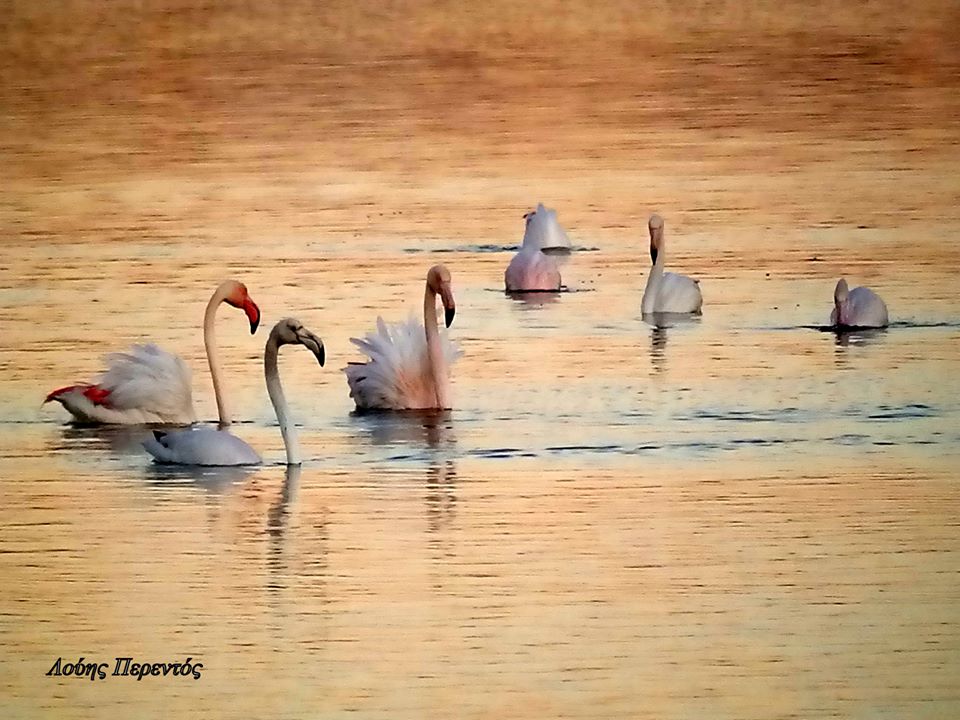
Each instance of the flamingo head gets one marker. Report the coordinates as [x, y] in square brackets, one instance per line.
[236, 295]
[291, 331]
[438, 282]
[840, 294]
[655, 225]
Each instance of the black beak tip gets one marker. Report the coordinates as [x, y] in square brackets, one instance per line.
[321, 356]
[653, 254]
[448, 314]
[254, 324]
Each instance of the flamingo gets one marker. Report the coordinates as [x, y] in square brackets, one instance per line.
[209, 446]
[531, 269]
[667, 292]
[409, 362]
[860, 307]
[147, 384]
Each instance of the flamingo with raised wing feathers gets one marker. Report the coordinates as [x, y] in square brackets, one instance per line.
[409, 365]
[148, 384]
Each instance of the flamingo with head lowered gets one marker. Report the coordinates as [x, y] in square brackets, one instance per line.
[857, 308]
[147, 384]
[209, 446]
[409, 365]
[667, 292]
[532, 269]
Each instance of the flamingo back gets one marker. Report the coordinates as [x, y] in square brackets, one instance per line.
[200, 446]
[531, 270]
[675, 293]
[397, 376]
[149, 379]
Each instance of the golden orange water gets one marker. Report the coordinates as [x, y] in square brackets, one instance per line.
[733, 517]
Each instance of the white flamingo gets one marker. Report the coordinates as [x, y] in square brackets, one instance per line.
[860, 307]
[409, 362]
[209, 446]
[667, 292]
[147, 384]
[531, 269]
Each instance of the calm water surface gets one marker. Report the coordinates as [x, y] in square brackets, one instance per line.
[736, 516]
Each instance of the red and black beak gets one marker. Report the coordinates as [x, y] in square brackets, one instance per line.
[253, 314]
[449, 306]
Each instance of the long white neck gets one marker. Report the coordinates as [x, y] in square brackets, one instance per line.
[275, 390]
[652, 289]
[210, 343]
[438, 363]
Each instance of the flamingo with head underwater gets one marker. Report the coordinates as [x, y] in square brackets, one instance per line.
[148, 384]
[532, 269]
[857, 308]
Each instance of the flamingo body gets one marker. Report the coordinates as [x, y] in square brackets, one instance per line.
[673, 293]
[409, 362]
[860, 307]
[530, 270]
[398, 374]
[203, 445]
[146, 384]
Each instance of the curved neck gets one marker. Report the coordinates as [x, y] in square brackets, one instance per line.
[275, 390]
[438, 363]
[210, 344]
[653, 282]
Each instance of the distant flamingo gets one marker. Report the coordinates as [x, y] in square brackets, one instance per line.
[860, 307]
[531, 269]
[409, 362]
[667, 292]
[150, 385]
[209, 446]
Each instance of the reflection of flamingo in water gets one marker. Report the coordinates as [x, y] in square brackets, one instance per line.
[857, 308]
[150, 385]
[667, 292]
[208, 446]
[409, 363]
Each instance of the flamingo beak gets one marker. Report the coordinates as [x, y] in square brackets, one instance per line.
[253, 313]
[449, 306]
[653, 253]
[314, 344]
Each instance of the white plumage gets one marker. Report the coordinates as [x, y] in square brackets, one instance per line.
[860, 307]
[148, 384]
[398, 375]
[667, 292]
[531, 269]
[408, 366]
[201, 445]
[543, 230]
